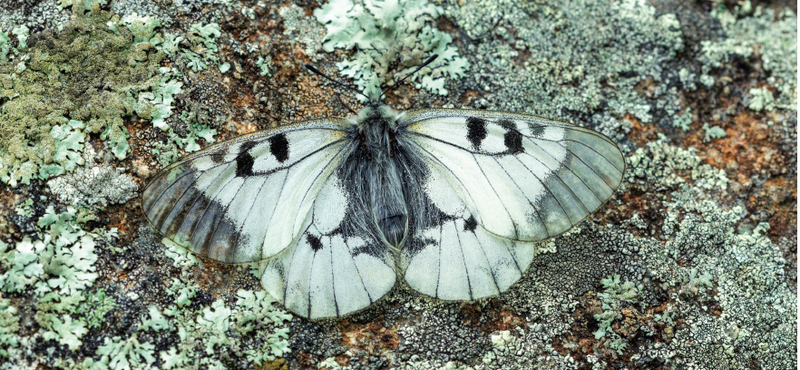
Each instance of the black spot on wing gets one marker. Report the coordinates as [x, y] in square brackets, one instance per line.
[512, 138]
[314, 242]
[218, 156]
[279, 147]
[507, 124]
[536, 130]
[476, 131]
[470, 224]
[244, 161]
[513, 141]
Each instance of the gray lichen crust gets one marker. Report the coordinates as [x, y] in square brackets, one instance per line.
[681, 270]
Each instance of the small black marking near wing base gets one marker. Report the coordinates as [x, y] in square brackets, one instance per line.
[244, 161]
[470, 224]
[476, 131]
[279, 147]
[314, 242]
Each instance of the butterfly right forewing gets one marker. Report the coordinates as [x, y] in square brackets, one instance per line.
[244, 200]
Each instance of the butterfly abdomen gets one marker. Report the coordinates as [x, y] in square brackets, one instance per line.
[374, 162]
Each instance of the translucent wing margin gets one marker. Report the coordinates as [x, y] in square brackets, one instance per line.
[246, 199]
[522, 177]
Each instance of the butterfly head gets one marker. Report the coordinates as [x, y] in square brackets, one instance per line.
[375, 114]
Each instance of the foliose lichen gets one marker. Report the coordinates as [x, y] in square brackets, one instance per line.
[390, 39]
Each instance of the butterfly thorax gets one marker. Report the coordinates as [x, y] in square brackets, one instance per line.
[381, 172]
[377, 124]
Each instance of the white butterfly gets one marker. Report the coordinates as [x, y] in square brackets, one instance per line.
[337, 210]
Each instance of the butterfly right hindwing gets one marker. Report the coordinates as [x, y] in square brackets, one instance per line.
[332, 269]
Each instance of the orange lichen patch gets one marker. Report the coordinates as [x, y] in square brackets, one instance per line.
[497, 317]
[242, 101]
[469, 96]
[634, 201]
[306, 361]
[641, 133]
[119, 217]
[749, 147]
[752, 148]
[217, 277]
[370, 337]
[647, 87]
[579, 341]
[778, 195]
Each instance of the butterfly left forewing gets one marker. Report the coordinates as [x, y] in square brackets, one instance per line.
[238, 201]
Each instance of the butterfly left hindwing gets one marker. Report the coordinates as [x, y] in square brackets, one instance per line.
[331, 270]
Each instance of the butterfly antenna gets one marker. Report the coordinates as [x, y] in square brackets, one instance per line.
[339, 97]
[421, 66]
[348, 87]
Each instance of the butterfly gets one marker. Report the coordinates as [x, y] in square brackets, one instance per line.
[337, 211]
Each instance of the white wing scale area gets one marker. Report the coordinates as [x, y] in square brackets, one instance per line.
[546, 176]
[464, 262]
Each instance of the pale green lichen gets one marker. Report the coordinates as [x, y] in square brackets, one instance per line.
[93, 185]
[53, 272]
[684, 120]
[95, 307]
[128, 53]
[123, 354]
[204, 47]
[9, 322]
[55, 275]
[21, 264]
[390, 38]
[22, 32]
[713, 132]
[761, 99]
[264, 66]
[621, 44]
[773, 36]
[142, 28]
[46, 123]
[5, 46]
[64, 330]
[613, 296]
